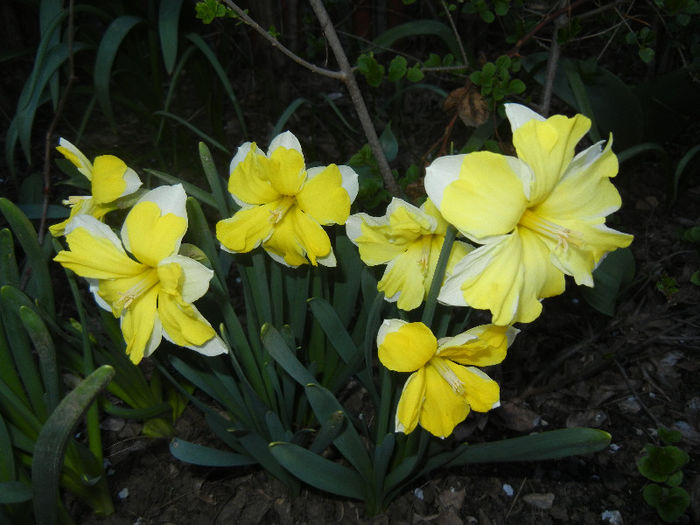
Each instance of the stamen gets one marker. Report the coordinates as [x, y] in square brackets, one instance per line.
[426, 244]
[448, 375]
[129, 296]
[280, 211]
[549, 229]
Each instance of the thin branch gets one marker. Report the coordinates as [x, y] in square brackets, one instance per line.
[454, 30]
[338, 75]
[48, 142]
[356, 96]
[552, 64]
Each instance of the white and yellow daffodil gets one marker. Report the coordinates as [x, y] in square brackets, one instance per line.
[152, 292]
[284, 205]
[539, 216]
[110, 179]
[408, 240]
[441, 391]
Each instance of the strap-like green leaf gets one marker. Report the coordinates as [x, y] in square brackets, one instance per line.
[416, 28]
[318, 471]
[554, 444]
[14, 492]
[206, 456]
[338, 336]
[53, 439]
[168, 22]
[9, 273]
[43, 344]
[7, 456]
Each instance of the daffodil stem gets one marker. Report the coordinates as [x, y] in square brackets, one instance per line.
[438, 276]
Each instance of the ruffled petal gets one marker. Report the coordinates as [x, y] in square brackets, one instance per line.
[408, 348]
[298, 236]
[405, 276]
[152, 235]
[120, 293]
[287, 140]
[483, 345]
[323, 196]
[137, 325]
[108, 183]
[247, 229]
[249, 182]
[481, 392]
[488, 186]
[287, 173]
[195, 279]
[408, 410]
[444, 407]
[548, 148]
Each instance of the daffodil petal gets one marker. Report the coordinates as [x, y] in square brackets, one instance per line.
[408, 410]
[488, 185]
[431, 210]
[121, 292]
[95, 251]
[150, 235]
[408, 348]
[548, 148]
[80, 205]
[249, 182]
[108, 183]
[404, 278]
[518, 115]
[323, 196]
[196, 276]
[73, 154]
[298, 236]
[288, 173]
[155, 339]
[247, 229]
[483, 345]
[442, 172]
[286, 140]
[443, 407]
[137, 324]
[481, 392]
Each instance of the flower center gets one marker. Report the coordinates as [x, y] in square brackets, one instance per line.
[424, 260]
[448, 375]
[149, 280]
[563, 236]
[283, 206]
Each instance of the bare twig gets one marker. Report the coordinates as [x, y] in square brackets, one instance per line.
[345, 74]
[552, 64]
[356, 96]
[338, 75]
[48, 142]
[454, 30]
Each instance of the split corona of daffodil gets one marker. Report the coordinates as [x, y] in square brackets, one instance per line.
[408, 240]
[441, 391]
[151, 293]
[110, 178]
[284, 205]
[539, 216]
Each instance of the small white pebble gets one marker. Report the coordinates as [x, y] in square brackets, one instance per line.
[123, 493]
[508, 489]
[652, 395]
[613, 517]
[614, 448]
[418, 493]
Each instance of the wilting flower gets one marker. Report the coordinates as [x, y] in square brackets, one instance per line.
[110, 179]
[408, 240]
[284, 205]
[151, 293]
[539, 216]
[441, 391]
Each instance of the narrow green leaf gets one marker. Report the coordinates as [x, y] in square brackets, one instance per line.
[415, 28]
[206, 456]
[190, 189]
[198, 41]
[53, 439]
[330, 429]
[9, 272]
[554, 444]
[194, 129]
[168, 23]
[318, 471]
[638, 149]
[14, 492]
[685, 160]
[217, 185]
[36, 259]
[43, 344]
[287, 114]
[334, 329]
[613, 274]
[7, 456]
[382, 457]
[106, 53]
[279, 350]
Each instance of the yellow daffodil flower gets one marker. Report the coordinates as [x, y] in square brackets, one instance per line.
[284, 205]
[441, 391]
[110, 178]
[539, 216]
[408, 240]
[152, 292]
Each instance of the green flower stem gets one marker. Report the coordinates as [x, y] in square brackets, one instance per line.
[438, 276]
[385, 404]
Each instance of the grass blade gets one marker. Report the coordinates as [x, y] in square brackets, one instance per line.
[168, 23]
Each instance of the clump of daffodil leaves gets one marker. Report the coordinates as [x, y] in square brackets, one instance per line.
[524, 222]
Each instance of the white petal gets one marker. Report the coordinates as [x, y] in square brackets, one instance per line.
[518, 115]
[353, 226]
[457, 340]
[196, 276]
[441, 172]
[213, 346]
[94, 285]
[133, 182]
[170, 199]
[350, 181]
[86, 165]
[95, 227]
[387, 327]
[155, 339]
[241, 154]
[286, 139]
[328, 260]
